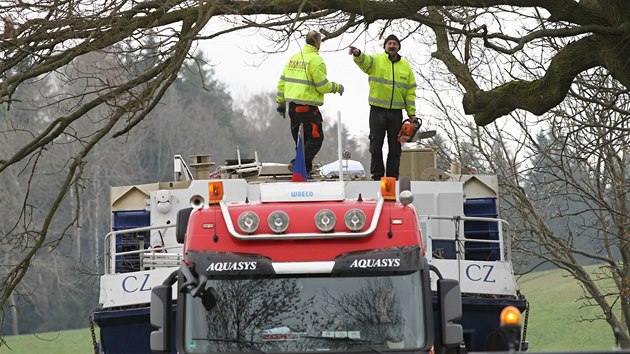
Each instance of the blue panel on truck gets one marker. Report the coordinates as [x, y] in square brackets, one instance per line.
[481, 230]
[480, 322]
[485, 207]
[444, 249]
[482, 251]
[130, 241]
[127, 331]
[128, 219]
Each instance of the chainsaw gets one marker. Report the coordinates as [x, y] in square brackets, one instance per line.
[408, 130]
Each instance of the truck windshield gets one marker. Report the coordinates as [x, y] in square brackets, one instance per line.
[307, 314]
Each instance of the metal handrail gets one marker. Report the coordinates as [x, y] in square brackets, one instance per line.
[110, 251]
[301, 236]
[504, 245]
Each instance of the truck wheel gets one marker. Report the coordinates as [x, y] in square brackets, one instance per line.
[183, 215]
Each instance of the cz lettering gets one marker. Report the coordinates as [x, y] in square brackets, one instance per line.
[130, 284]
[476, 272]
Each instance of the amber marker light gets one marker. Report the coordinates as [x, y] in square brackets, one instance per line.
[510, 319]
[215, 192]
[510, 316]
[388, 188]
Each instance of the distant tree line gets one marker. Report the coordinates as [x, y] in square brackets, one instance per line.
[548, 95]
[195, 116]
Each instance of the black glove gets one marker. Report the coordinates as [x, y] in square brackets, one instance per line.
[340, 90]
[281, 109]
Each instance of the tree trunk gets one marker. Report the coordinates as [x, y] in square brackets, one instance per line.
[15, 329]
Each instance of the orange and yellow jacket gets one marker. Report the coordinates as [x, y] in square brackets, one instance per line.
[303, 79]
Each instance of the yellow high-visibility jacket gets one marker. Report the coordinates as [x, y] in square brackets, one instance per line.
[303, 79]
[392, 84]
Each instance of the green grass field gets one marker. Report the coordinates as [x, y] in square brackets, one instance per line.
[554, 322]
[77, 341]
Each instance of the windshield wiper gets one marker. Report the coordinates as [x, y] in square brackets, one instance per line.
[238, 341]
[364, 342]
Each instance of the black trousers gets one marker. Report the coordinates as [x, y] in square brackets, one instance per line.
[311, 118]
[384, 122]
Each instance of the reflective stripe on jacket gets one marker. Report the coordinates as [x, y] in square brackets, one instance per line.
[303, 79]
[392, 84]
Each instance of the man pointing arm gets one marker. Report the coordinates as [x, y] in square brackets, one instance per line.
[392, 89]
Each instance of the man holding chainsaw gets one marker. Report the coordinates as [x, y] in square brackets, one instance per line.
[392, 89]
[302, 86]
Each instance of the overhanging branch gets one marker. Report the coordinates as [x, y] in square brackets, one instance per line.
[537, 96]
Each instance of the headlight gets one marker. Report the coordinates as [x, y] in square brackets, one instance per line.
[406, 197]
[355, 219]
[197, 202]
[278, 221]
[325, 220]
[248, 222]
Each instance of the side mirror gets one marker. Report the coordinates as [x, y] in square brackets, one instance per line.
[161, 313]
[183, 216]
[450, 310]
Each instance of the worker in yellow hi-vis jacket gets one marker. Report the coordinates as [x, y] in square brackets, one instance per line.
[392, 89]
[302, 86]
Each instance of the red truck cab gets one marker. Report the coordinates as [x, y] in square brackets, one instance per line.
[305, 268]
